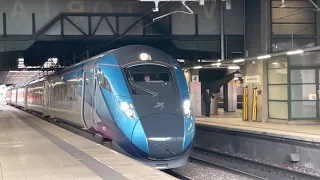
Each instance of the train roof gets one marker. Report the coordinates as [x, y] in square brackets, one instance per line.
[124, 55]
[131, 53]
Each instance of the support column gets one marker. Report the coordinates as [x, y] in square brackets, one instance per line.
[195, 91]
[317, 25]
[258, 42]
[222, 30]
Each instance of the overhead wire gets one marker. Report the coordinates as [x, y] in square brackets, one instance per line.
[107, 42]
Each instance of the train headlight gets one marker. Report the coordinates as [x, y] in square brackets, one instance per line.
[127, 109]
[187, 107]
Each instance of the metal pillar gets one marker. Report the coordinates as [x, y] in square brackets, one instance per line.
[222, 30]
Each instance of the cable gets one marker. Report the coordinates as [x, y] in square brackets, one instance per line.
[106, 42]
[282, 17]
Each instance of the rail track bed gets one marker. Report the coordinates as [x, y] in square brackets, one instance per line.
[251, 168]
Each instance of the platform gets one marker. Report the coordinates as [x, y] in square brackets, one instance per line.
[31, 148]
[234, 121]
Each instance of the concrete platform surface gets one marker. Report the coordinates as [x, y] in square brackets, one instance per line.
[31, 148]
[293, 131]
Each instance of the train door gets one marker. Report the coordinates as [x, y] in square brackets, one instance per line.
[94, 103]
[88, 97]
[14, 97]
[47, 97]
[25, 96]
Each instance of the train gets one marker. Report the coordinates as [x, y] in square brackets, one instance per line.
[136, 96]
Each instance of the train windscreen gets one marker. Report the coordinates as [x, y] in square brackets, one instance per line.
[152, 80]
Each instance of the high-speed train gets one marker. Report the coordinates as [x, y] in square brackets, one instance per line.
[136, 96]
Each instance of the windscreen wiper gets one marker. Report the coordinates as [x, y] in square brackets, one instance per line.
[154, 94]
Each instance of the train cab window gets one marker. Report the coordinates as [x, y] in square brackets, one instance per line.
[151, 79]
[103, 81]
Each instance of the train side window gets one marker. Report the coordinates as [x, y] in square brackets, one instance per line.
[103, 81]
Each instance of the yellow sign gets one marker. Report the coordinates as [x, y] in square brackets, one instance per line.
[245, 103]
[254, 104]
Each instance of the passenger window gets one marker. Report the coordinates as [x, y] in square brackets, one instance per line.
[103, 81]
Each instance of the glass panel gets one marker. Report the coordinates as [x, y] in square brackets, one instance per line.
[152, 80]
[278, 62]
[276, 4]
[303, 76]
[281, 15]
[279, 45]
[305, 59]
[103, 81]
[303, 109]
[278, 92]
[303, 92]
[278, 110]
[277, 76]
[296, 29]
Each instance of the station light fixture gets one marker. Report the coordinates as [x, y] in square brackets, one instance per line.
[54, 60]
[156, 3]
[299, 51]
[238, 60]
[267, 56]
[197, 67]
[233, 67]
[216, 64]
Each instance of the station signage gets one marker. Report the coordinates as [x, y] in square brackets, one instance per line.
[252, 79]
[312, 96]
[195, 78]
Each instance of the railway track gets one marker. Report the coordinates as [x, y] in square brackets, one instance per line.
[178, 175]
[225, 168]
[250, 168]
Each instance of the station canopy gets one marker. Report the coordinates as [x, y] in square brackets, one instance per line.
[28, 73]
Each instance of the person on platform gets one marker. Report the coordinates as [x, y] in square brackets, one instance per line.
[207, 96]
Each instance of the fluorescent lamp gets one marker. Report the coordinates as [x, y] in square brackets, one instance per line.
[216, 64]
[238, 60]
[197, 67]
[233, 67]
[264, 56]
[275, 63]
[299, 51]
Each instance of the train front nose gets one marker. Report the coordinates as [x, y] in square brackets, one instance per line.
[164, 134]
